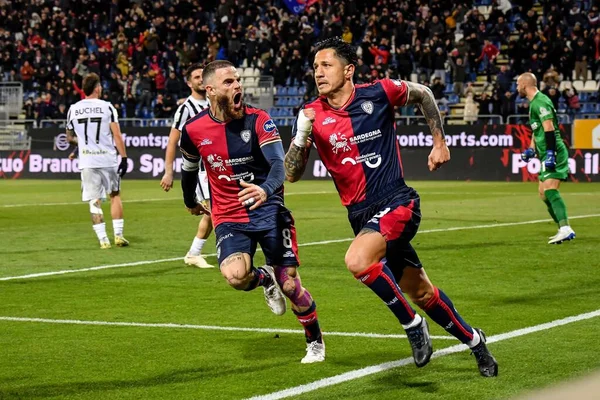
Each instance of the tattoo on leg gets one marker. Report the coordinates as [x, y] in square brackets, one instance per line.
[366, 231]
[292, 288]
[232, 258]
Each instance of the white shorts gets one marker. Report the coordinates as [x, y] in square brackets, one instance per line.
[202, 192]
[96, 183]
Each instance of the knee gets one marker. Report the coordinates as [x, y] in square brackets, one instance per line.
[238, 282]
[357, 262]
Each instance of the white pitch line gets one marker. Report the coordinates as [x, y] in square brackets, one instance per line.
[133, 264]
[74, 203]
[207, 327]
[374, 369]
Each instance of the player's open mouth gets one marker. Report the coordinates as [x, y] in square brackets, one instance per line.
[237, 100]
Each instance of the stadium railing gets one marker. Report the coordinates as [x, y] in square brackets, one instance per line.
[11, 98]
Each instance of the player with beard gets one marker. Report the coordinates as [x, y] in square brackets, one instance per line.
[243, 154]
[354, 131]
[193, 105]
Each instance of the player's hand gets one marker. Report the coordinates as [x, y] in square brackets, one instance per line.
[72, 156]
[200, 209]
[528, 154]
[122, 169]
[304, 122]
[550, 162]
[440, 154]
[166, 182]
[252, 195]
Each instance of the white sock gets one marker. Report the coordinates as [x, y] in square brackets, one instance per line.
[475, 341]
[415, 322]
[100, 230]
[118, 226]
[197, 246]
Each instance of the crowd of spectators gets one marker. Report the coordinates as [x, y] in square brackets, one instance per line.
[140, 48]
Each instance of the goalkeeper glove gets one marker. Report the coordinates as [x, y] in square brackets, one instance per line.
[550, 162]
[528, 154]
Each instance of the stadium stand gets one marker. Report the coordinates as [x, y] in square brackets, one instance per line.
[456, 47]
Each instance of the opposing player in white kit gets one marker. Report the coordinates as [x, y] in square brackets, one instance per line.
[92, 124]
[192, 106]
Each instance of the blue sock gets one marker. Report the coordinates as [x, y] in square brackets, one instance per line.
[380, 279]
[442, 311]
[261, 278]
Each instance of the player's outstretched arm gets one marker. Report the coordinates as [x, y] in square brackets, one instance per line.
[297, 155]
[167, 180]
[422, 96]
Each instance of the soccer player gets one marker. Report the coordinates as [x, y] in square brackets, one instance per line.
[93, 126]
[242, 150]
[193, 105]
[547, 143]
[353, 129]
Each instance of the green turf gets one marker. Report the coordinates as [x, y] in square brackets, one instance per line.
[500, 278]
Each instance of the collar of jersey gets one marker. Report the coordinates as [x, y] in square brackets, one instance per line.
[345, 105]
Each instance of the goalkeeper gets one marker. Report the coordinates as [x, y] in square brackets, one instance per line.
[547, 143]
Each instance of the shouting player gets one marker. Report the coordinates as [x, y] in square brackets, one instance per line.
[243, 154]
[193, 105]
[353, 129]
[547, 143]
[92, 124]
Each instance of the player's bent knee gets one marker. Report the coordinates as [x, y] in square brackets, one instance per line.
[421, 296]
[357, 263]
[95, 207]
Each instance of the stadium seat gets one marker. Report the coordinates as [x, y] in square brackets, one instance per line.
[453, 99]
[590, 86]
[255, 72]
[449, 88]
[564, 85]
[588, 108]
[293, 91]
[578, 85]
[281, 90]
[302, 90]
[583, 96]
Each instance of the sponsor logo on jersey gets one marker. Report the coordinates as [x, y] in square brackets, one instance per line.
[371, 160]
[223, 238]
[328, 121]
[534, 126]
[289, 254]
[339, 142]
[244, 176]
[364, 137]
[544, 111]
[367, 107]
[245, 135]
[205, 142]
[397, 82]
[269, 126]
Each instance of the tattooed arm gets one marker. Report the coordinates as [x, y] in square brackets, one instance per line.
[423, 98]
[295, 162]
[297, 155]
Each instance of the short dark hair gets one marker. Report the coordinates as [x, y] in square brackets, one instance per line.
[211, 67]
[343, 50]
[192, 68]
[89, 83]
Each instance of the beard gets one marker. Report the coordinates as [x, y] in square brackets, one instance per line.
[229, 111]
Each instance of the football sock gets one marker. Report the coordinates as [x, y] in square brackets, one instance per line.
[310, 322]
[100, 230]
[301, 298]
[118, 226]
[380, 280]
[442, 311]
[558, 206]
[197, 246]
[260, 278]
[550, 211]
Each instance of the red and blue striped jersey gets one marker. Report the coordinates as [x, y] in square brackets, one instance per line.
[357, 142]
[230, 152]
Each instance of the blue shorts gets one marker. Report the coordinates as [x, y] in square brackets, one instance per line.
[277, 240]
[397, 218]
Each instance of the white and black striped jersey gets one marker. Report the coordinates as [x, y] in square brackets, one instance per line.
[90, 119]
[188, 110]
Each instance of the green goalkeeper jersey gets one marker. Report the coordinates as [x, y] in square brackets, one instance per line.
[541, 109]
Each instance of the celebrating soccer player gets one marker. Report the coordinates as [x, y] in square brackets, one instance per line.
[353, 129]
[243, 154]
[194, 104]
[547, 143]
[93, 125]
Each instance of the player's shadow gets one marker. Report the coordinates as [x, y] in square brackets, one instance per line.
[541, 297]
[465, 246]
[169, 378]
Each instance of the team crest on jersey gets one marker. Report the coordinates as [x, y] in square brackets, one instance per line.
[245, 135]
[216, 162]
[367, 107]
[339, 142]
